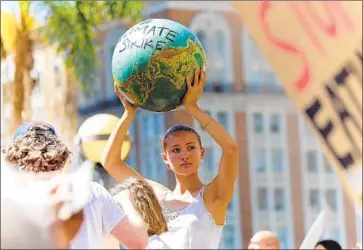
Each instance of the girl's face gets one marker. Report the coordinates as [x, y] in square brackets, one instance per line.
[183, 153]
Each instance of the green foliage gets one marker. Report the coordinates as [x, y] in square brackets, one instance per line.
[72, 26]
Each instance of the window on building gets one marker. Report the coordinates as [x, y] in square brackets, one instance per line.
[220, 44]
[259, 160]
[312, 161]
[257, 71]
[277, 160]
[275, 124]
[279, 196]
[258, 123]
[314, 199]
[331, 199]
[262, 199]
[219, 57]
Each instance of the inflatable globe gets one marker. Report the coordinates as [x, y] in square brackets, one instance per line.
[94, 133]
[151, 61]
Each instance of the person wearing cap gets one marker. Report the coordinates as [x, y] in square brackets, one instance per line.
[36, 148]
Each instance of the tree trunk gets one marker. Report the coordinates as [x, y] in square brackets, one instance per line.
[17, 95]
[70, 107]
[22, 86]
[3, 51]
[28, 81]
[28, 88]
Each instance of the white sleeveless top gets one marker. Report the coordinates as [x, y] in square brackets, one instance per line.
[191, 227]
[178, 239]
[155, 242]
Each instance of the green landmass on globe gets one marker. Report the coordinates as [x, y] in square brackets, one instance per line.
[152, 77]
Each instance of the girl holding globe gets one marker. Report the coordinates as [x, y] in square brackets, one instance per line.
[196, 209]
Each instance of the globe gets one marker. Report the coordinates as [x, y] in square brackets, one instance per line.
[151, 61]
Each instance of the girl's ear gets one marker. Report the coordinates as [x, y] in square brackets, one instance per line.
[165, 158]
[202, 153]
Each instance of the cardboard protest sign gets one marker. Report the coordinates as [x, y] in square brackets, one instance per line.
[316, 51]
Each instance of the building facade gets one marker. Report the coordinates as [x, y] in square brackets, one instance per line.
[284, 180]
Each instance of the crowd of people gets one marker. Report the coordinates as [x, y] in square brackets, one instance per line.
[46, 206]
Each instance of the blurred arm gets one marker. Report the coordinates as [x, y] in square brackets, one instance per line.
[124, 224]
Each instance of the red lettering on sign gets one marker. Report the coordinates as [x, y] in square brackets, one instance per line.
[301, 82]
[337, 8]
[297, 10]
[333, 10]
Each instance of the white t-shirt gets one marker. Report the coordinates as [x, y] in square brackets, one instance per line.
[101, 215]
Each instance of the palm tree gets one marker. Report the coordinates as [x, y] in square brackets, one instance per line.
[16, 39]
[71, 28]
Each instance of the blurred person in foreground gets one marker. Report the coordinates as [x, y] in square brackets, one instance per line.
[29, 214]
[36, 149]
[264, 240]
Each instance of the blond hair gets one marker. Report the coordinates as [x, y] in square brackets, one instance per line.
[36, 152]
[146, 203]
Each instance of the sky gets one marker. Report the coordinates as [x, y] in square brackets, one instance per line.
[13, 7]
[9, 6]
